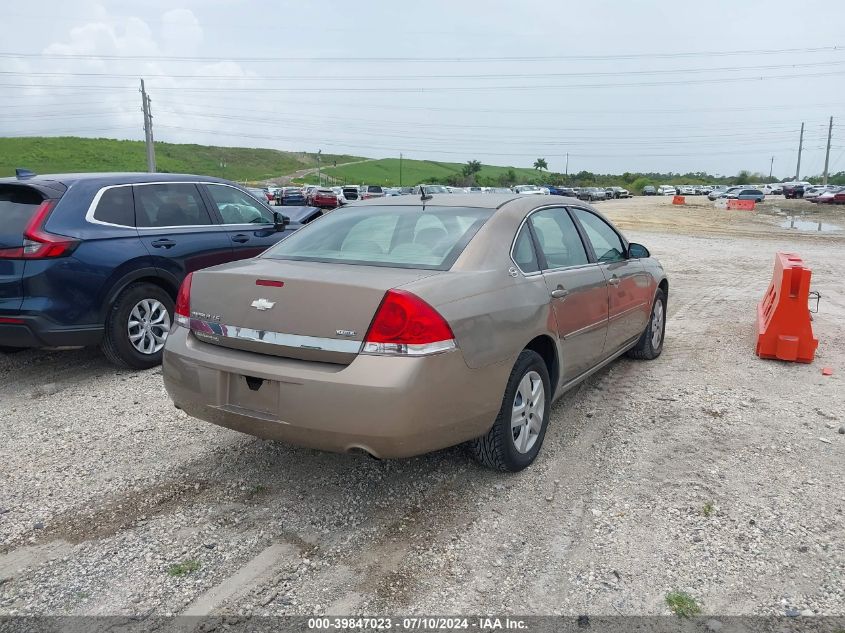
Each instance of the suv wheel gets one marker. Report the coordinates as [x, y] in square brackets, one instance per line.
[137, 326]
[515, 438]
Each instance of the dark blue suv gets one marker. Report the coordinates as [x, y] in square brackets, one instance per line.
[89, 259]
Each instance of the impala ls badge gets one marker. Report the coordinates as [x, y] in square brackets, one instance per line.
[262, 304]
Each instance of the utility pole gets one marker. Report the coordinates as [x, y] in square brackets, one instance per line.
[567, 167]
[771, 166]
[800, 145]
[148, 130]
[827, 153]
[319, 175]
[400, 169]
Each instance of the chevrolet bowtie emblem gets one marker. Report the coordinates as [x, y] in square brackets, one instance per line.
[262, 304]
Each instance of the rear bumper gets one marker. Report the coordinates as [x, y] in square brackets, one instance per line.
[40, 332]
[390, 407]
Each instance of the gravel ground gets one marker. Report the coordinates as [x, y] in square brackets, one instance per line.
[707, 471]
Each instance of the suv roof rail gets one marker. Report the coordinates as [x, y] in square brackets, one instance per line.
[23, 174]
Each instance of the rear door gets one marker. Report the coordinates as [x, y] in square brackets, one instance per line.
[248, 223]
[177, 229]
[577, 288]
[629, 285]
[18, 204]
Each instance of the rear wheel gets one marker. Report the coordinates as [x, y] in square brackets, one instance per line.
[514, 440]
[137, 327]
[651, 342]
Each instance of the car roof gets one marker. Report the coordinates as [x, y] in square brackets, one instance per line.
[471, 200]
[110, 178]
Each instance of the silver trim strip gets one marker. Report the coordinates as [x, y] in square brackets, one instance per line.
[205, 330]
[546, 270]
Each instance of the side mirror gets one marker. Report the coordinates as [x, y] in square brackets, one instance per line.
[280, 222]
[637, 251]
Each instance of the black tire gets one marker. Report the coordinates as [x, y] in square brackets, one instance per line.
[116, 344]
[497, 449]
[645, 349]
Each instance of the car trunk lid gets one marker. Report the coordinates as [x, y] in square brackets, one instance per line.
[305, 310]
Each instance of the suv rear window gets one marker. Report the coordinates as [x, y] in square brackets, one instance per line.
[398, 237]
[116, 206]
[17, 206]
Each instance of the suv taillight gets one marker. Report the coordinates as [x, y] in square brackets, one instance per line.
[183, 303]
[406, 325]
[38, 243]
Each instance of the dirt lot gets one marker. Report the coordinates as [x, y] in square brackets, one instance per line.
[707, 471]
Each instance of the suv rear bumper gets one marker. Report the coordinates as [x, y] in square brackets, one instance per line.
[37, 331]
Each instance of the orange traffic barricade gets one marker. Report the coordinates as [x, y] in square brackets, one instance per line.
[679, 200]
[784, 330]
[741, 205]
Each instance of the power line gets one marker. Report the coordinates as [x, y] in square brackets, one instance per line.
[451, 59]
[410, 77]
[435, 89]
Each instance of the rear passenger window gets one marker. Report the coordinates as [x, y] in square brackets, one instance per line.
[558, 238]
[169, 205]
[523, 252]
[116, 206]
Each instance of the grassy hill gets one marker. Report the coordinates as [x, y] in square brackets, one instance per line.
[66, 154]
[386, 172]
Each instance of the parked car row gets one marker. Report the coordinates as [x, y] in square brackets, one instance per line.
[829, 194]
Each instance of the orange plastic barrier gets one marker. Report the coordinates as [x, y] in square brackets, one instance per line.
[741, 205]
[679, 200]
[783, 317]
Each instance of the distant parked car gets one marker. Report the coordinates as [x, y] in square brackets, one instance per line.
[97, 259]
[686, 190]
[324, 199]
[839, 197]
[667, 190]
[351, 193]
[554, 190]
[815, 192]
[430, 189]
[455, 189]
[291, 196]
[742, 193]
[648, 190]
[592, 194]
[529, 190]
[617, 192]
[828, 196]
[718, 191]
[792, 190]
[498, 190]
[371, 191]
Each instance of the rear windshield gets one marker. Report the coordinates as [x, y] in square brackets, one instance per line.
[398, 237]
[17, 206]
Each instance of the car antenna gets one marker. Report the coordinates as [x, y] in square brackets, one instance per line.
[424, 197]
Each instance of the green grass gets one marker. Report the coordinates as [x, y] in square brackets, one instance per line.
[184, 568]
[708, 508]
[68, 154]
[385, 171]
[682, 604]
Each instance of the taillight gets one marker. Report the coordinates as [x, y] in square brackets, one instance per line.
[405, 324]
[38, 243]
[183, 303]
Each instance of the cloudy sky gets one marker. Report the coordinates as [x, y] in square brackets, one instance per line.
[618, 85]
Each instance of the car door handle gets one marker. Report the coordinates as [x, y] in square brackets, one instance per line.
[240, 238]
[614, 280]
[164, 243]
[559, 293]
